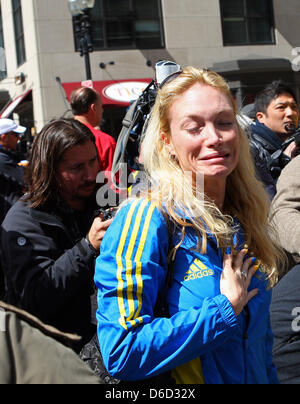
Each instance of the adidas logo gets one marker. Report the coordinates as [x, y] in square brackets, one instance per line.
[197, 270]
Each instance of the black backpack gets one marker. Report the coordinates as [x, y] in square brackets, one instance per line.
[135, 123]
[128, 144]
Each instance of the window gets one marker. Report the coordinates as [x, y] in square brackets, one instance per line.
[3, 73]
[126, 24]
[19, 31]
[247, 22]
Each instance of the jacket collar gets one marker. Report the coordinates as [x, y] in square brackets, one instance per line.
[267, 134]
[49, 218]
[238, 239]
[53, 216]
[10, 153]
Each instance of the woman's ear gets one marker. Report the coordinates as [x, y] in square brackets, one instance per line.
[168, 144]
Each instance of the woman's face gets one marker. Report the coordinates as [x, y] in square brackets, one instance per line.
[204, 133]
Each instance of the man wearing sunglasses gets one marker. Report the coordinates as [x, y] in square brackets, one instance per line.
[11, 174]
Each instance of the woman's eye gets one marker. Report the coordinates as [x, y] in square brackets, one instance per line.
[193, 131]
[226, 124]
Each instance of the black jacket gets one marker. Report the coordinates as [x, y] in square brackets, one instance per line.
[48, 265]
[266, 147]
[11, 180]
[262, 171]
[285, 321]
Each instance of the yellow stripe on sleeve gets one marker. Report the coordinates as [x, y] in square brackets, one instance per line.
[138, 260]
[128, 259]
[133, 317]
[120, 264]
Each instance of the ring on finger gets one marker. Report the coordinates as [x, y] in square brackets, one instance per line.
[244, 274]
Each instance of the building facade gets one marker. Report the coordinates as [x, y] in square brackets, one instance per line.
[249, 42]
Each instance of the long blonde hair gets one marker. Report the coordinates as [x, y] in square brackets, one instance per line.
[245, 199]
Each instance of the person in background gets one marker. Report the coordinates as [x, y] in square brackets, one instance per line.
[285, 322]
[277, 117]
[285, 210]
[11, 173]
[86, 105]
[35, 353]
[249, 111]
[285, 310]
[207, 212]
[261, 168]
[51, 237]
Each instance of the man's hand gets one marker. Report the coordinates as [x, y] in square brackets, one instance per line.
[97, 231]
[292, 150]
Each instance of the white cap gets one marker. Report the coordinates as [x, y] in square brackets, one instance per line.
[7, 125]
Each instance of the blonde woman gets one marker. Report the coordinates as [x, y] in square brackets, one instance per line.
[206, 207]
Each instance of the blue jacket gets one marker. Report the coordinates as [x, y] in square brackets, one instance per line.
[203, 340]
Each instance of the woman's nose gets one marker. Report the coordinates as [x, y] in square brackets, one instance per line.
[212, 134]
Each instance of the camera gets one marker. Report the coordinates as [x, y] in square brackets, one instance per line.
[278, 158]
[295, 135]
[108, 213]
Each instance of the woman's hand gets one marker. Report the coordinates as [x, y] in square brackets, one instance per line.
[236, 278]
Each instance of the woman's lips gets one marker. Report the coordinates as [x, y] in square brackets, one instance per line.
[215, 156]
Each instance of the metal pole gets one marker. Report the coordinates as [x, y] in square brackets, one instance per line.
[88, 44]
[82, 28]
[88, 66]
[87, 62]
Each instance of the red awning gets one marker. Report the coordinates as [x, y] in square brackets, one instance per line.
[113, 92]
[9, 109]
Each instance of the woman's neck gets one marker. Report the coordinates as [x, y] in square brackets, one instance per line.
[216, 192]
